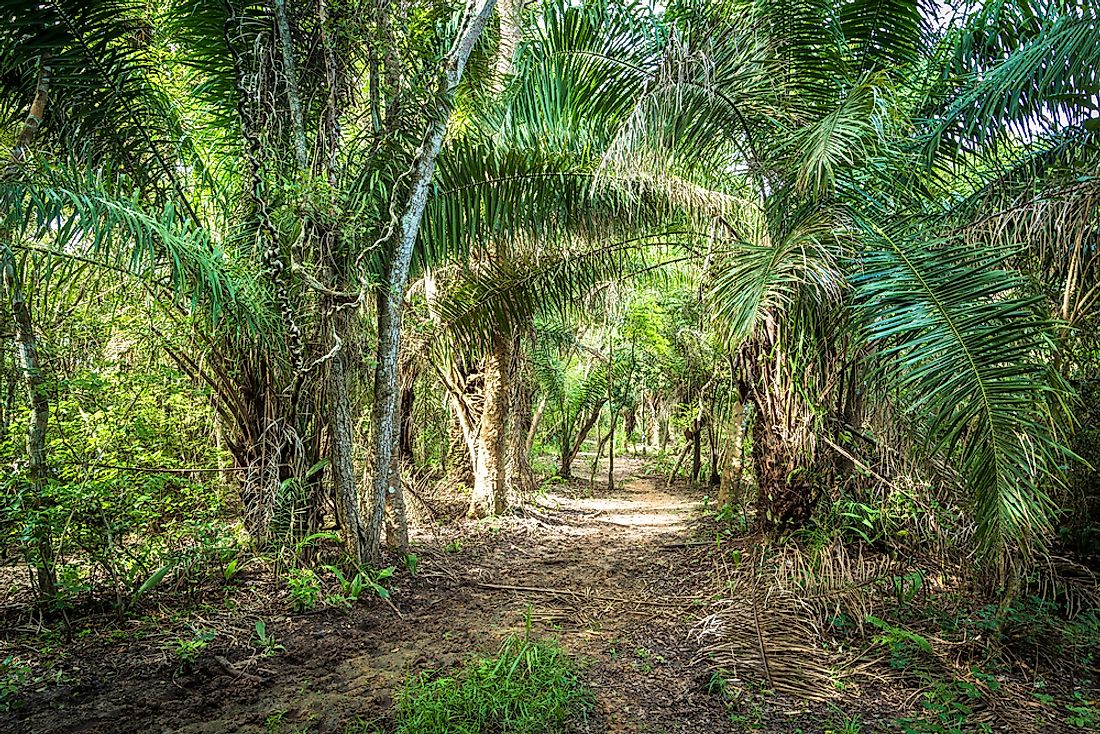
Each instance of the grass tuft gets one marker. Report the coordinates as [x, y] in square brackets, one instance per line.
[530, 687]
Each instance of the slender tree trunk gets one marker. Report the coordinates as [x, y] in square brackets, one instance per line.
[397, 521]
[489, 495]
[570, 451]
[630, 423]
[712, 442]
[696, 458]
[405, 448]
[534, 427]
[27, 354]
[660, 422]
[565, 463]
[461, 453]
[38, 398]
[611, 450]
[399, 241]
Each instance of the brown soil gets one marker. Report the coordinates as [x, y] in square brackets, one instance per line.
[593, 570]
[620, 578]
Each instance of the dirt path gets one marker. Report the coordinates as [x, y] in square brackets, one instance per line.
[602, 572]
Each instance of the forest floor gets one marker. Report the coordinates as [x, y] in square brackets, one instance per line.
[619, 578]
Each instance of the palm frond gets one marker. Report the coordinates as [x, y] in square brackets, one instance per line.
[103, 97]
[774, 257]
[501, 296]
[841, 140]
[969, 356]
[1041, 81]
[92, 218]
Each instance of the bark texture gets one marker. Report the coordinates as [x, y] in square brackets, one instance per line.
[782, 436]
[38, 399]
[489, 494]
[342, 442]
[399, 240]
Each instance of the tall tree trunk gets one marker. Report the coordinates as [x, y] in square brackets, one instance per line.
[565, 463]
[290, 78]
[460, 461]
[489, 495]
[696, 458]
[712, 443]
[408, 401]
[508, 12]
[571, 450]
[735, 442]
[532, 429]
[612, 415]
[399, 240]
[397, 521]
[630, 424]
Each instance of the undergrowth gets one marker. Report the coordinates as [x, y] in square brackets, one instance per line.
[530, 687]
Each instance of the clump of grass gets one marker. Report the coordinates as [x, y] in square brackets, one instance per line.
[530, 687]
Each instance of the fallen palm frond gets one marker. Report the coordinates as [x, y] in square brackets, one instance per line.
[1077, 584]
[836, 580]
[768, 635]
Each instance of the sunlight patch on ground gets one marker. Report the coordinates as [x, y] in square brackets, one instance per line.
[654, 510]
[645, 519]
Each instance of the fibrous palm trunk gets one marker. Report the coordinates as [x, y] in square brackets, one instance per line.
[489, 495]
[782, 436]
[520, 477]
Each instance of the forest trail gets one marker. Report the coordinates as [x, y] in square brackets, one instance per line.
[607, 574]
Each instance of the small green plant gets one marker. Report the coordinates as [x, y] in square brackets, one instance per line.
[1083, 714]
[305, 589]
[231, 569]
[274, 721]
[720, 686]
[306, 544]
[751, 718]
[411, 563]
[375, 579]
[844, 724]
[946, 709]
[455, 546]
[904, 646]
[266, 640]
[13, 673]
[187, 651]
[352, 587]
[530, 687]
[858, 521]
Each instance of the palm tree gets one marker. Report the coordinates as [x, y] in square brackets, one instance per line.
[792, 135]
